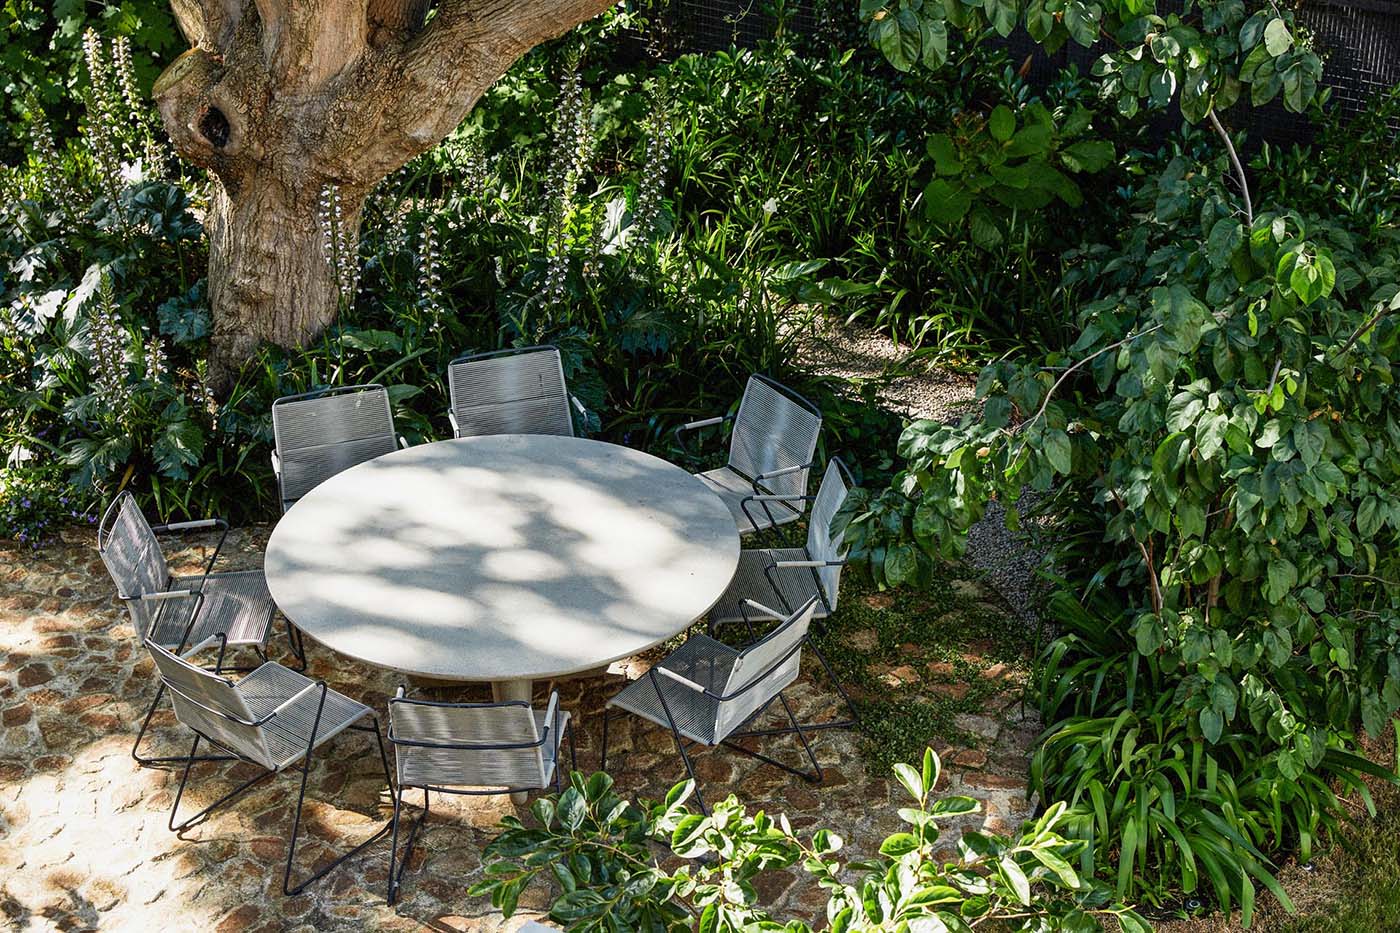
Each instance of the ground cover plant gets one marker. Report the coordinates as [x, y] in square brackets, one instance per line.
[603, 854]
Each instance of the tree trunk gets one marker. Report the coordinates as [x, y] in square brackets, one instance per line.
[270, 278]
[280, 98]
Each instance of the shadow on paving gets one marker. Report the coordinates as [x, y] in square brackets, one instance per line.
[86, 843]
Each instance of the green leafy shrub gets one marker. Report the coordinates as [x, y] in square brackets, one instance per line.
[1229, 443]
[602, 855]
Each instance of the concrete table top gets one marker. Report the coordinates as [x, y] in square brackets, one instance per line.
[506, 559]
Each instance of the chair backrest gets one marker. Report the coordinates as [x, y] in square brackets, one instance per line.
[204, 702]
[775, 429]
[821, 545]
[518, 391]
[773, 660]
[489, 725]
[319, 434]
[132, 555]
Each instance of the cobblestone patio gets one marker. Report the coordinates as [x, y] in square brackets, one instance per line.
[84, 828]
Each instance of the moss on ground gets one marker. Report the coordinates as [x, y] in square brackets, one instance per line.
[916, 659]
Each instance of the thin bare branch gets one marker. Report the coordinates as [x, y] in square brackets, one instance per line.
[1240, 177]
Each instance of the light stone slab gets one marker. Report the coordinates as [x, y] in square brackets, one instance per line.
[506, 559]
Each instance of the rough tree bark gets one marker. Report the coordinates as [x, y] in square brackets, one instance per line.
[279, 98]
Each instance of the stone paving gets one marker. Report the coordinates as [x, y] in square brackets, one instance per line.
[83, 828]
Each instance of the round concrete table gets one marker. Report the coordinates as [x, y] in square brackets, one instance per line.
[506, 559]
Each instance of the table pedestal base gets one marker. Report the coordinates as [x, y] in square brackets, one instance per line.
[504, 690]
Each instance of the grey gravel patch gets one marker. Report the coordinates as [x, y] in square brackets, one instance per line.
[906, 382]
[912, 386]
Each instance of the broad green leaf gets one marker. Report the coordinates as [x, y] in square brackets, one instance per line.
[1277, 38]
[1002, 123]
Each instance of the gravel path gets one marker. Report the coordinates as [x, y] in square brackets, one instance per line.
[912, 386]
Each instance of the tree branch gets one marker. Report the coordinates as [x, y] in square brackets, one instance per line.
[1240, 176]
[463, 50]
[1090, 358]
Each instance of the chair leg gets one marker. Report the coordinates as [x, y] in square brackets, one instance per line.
[680, 744]
[294, 641]
[189, 761]
[815, 777]
[396, 876]
[607, 717]
[573, 748]
[324, 870]
[854, 721]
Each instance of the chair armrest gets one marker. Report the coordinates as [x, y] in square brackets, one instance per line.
[202, 524]
[551, 716]
[304, 691]
[216, 638]
[452, 420]
[775, 497]
[573, 400]
[696, 425]
[808, 563]
[403, 442]
[219, 637]
[785, 471]
[683, 681]
[755, 604]
[166, 594]
[276, 465]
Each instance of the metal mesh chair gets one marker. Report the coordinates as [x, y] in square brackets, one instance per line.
[174, 611]
[789, 577]
[473, 749]
[705, 691]
[319, 434]
[771, 449]
[274, 718]
[515, 391]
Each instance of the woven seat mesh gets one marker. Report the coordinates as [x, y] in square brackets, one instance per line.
[200, 696]
[317, 438]
[723, 672]
[516, 393]
[132, 555]
[773, 432]
[237, 605]
[795, 585]
[475, 725]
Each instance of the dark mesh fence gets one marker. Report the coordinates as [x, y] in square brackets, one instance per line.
[1360, 41]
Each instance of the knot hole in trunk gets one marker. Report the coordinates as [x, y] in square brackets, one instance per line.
[214, 127]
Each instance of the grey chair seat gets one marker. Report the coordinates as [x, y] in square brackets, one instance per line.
[236, 604]
[701, 659]
[795, 586]
[418, 765]
[733, 488]
[286, 733]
